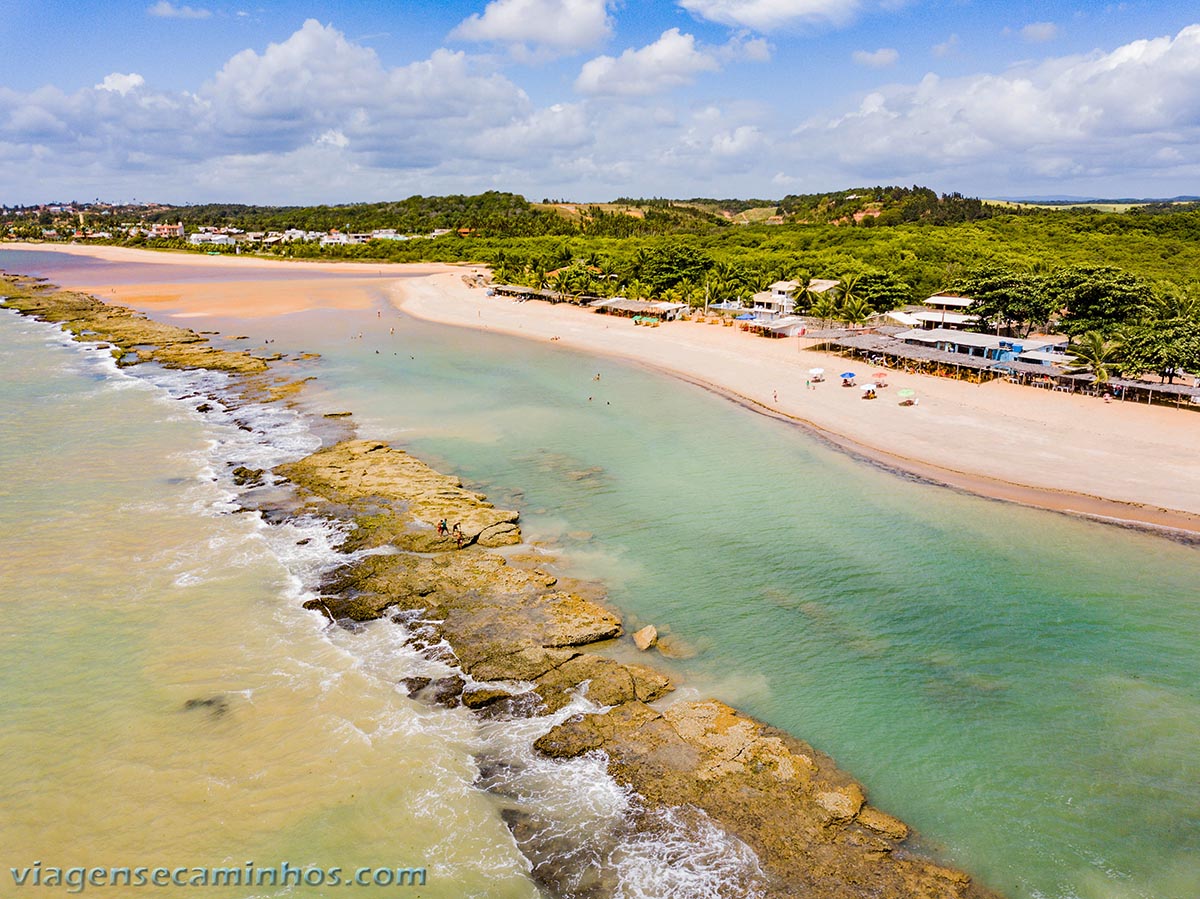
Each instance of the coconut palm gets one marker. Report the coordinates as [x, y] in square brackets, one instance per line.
[1096, 355]
[825, 308]
[854, 310]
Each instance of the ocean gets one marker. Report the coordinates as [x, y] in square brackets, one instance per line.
[1020, 686]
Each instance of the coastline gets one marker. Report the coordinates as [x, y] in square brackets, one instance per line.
[1122, 464]
[847, 845]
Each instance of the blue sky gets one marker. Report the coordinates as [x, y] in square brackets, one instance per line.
[300, 102]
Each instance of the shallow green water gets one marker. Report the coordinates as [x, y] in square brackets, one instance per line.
[1022, 687]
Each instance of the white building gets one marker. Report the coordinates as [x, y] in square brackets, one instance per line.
[776, 301]
[211, 237]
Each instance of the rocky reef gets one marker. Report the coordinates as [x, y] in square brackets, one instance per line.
[527, 641]
[807, 821]
[517, 631]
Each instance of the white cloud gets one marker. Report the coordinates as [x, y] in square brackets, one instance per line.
[947, 47]
[876, 59]
[744, 47]
[769, 15]
[671, 61]
[554, 26]
[1102, 114]
[738, 142]
[1039, 32]
[295, 106]
[121, 84]
[334, 138]
[163, 9]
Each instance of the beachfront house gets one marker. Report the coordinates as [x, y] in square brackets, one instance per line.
[986, 346]
[166, 230]
[941, 318]
[775, 302]
[211, 238]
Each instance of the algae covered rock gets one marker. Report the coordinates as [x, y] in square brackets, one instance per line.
[408, 495]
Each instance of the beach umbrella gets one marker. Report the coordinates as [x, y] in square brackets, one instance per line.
[816, 371]
[867, 387]
[906, 392]
[880, 376]
[846, 374]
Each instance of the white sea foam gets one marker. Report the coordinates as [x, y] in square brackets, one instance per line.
[580, 830]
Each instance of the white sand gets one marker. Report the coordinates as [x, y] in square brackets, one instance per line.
[995, 438]
[1072, 453]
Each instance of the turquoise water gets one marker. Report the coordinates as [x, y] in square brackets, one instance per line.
[1022, 687]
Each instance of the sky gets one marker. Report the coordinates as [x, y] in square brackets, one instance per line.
[304, 102]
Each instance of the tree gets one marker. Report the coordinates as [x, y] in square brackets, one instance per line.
[1098, 298]
[1167, 348]
[1006, 297]
[854, 310]
[883, 290]
[1094, 354]
[825, 307]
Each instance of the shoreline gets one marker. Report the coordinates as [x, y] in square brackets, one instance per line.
[523, 638]
[445, 303]
[1124, 464]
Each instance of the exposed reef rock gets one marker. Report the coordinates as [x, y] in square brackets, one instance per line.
[134, 337]
[806, 820]
[516, 631]
[399, 500]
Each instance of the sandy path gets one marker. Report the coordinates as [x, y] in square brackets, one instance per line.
[1066, 452]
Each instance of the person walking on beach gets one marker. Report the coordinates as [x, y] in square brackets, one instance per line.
[441, 528]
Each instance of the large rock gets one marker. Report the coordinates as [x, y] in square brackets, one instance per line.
[398, 499]
[134, 338]
[646, 637]
[787, 801]
[607, 682]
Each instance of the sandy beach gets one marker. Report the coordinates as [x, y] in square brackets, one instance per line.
[1122, 461]
[1076, 454]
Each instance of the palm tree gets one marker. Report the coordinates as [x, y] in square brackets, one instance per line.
[825, 308]
[854, 310]
[1096, 355]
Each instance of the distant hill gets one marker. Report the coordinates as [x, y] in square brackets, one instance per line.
[1057, 200]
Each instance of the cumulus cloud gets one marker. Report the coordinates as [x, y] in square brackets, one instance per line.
[671, 61]
[163, 9]
[553, 26]
[1102, 114]
[296, 104]
[741, 140]
[876, 59]
[769, 15]
[1039, 32]
[121, 84]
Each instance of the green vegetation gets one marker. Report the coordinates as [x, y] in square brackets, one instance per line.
[1132, 277]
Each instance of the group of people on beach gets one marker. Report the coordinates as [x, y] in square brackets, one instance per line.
[444, 529]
